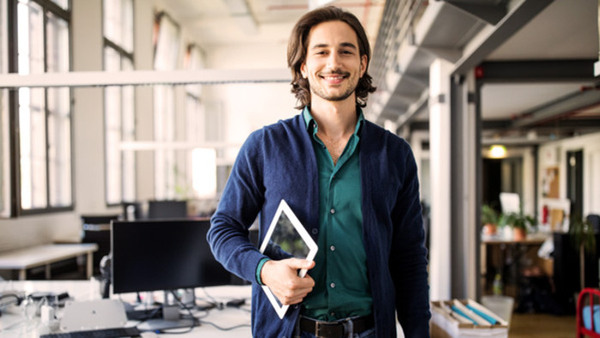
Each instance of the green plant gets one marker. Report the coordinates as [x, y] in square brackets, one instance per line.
[584, 240]
[488, 215]
[521, 221]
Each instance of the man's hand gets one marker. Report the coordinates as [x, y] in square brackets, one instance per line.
[282, 278]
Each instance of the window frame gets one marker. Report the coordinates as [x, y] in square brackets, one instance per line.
[16, 208]
[130, 55]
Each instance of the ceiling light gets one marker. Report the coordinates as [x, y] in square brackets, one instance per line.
[497, 151]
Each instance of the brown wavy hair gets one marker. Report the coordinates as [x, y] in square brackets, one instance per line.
[297, 49]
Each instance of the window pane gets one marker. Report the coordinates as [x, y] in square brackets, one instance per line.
[59, 119]
[118, 22]
[31, 38]
[32, 123]
[4, 129]
[57, 43]
[64, 4]
[59, 147]
[120, 126]
[32, 117]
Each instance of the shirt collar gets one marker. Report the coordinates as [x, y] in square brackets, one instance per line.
[311, 123]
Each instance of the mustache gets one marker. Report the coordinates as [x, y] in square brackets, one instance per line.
[335, 72]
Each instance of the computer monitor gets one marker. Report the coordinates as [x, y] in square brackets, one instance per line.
[155, 255]
[151, 255]
[167, 209]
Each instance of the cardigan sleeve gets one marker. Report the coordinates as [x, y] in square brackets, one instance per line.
[408, 261]
[239, 206]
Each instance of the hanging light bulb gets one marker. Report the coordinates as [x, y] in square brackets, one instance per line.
[497, 151]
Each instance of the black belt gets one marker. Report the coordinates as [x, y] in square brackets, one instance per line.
[336, 329]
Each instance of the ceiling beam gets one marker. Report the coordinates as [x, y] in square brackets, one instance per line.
[144, 77]
[556, 108]
[492, 37]
[491, 12]
[535, 71]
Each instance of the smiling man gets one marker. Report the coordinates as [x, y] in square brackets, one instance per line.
[353, 186]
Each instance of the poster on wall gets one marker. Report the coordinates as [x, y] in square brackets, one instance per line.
[550, 183]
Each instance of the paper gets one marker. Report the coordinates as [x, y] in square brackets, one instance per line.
[286, 238]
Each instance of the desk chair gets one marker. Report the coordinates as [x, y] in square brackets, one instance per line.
[96, 229]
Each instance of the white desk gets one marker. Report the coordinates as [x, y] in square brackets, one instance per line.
[23, 259]
[13, 322]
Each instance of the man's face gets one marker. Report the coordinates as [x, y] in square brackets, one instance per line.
[333, 63]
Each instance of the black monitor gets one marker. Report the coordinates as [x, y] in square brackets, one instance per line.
[167, 209]
[153, 255]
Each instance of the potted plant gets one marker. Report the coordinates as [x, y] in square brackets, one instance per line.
[520, 224]
[489, 219]
[584, 240]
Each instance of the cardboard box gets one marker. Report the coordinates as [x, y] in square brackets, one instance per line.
[447, 323]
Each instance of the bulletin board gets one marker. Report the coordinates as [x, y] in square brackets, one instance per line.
[550, 183]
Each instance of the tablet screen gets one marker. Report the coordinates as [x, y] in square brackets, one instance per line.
[286, 238]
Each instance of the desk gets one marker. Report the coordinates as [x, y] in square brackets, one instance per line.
[13, 323]
[504, 254]
[23, 259]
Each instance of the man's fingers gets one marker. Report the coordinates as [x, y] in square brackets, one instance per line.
[297, 263]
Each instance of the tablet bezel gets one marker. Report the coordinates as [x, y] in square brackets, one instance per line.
[284, 208]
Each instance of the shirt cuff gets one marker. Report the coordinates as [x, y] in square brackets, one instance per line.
[259, 268]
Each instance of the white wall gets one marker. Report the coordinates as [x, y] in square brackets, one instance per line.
[555, 154]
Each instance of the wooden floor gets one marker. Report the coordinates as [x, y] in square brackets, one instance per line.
[541, 325]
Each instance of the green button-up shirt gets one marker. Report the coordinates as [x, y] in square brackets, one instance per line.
[340, 273]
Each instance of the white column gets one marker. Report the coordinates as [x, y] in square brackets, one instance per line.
[439, 131]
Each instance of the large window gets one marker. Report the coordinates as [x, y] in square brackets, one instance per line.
[119, 109]
[201, 167]
[44, 114]
[167, 169]
[4, 130]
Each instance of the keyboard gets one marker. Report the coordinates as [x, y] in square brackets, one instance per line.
[100, 333]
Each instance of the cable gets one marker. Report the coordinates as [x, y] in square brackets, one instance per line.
[211, 298]
[224, 328]
[194, 320]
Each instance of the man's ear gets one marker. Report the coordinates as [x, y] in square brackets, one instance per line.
[303, 70]
[363, 65]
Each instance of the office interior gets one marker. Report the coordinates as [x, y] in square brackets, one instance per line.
[149, 100]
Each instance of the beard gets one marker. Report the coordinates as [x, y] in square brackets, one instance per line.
[322, 92]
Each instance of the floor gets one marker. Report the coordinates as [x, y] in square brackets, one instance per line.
[541, 325]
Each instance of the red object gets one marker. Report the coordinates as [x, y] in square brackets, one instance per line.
[545, 214]
[581, 330]
[478, 72]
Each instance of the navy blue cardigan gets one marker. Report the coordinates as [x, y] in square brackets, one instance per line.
[278, 162]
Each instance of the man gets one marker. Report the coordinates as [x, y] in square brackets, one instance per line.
[352, 185]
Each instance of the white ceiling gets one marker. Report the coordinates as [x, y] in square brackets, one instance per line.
[565, 29]
[224, 22]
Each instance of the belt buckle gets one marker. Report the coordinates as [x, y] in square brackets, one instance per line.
[347, 326]
[318, 326]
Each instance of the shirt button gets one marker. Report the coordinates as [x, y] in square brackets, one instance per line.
[332, 314]
[332, 211]
[315, 231]
[332, 248]
[332, 285]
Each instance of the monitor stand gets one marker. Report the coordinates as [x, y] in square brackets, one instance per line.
[171, 320]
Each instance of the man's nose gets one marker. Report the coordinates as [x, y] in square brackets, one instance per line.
[333, 61]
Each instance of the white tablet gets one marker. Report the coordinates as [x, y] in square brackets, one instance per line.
[286, 238]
